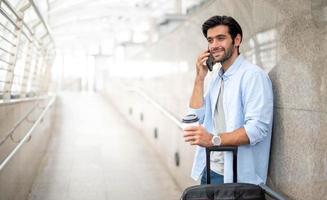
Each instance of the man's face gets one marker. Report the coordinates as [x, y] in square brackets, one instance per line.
[220, 43]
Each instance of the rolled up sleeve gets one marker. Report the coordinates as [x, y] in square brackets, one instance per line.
[198, 112]
[258, 106]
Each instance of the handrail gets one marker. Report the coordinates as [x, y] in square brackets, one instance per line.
[29, 133]
[10, 133]
[164, 111]
[16, 101]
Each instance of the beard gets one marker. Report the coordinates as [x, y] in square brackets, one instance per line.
[227, 54]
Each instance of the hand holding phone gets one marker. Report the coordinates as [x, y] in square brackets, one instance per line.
[210, 62]
[201, 66]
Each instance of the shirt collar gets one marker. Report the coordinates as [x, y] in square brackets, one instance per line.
[232, 69]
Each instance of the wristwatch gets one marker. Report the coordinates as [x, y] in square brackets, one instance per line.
[216, 140]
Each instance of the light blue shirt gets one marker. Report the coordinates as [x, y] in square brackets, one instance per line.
[248, 103]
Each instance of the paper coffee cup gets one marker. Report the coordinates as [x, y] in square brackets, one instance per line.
[190, 120]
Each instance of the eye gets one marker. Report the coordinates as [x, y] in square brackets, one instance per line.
[221, 38]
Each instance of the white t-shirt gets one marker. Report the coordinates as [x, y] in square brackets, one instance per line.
[217, 158]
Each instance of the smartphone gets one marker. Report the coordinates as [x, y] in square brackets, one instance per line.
[210, 62]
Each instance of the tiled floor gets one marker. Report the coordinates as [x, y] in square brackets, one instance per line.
[95, 155]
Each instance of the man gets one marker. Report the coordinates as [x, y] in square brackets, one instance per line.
[236, 110]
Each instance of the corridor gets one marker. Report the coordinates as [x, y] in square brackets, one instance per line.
[95, 154]
[93, 94]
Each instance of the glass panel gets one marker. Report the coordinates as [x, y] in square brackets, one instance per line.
[19, 67]
[34, 58]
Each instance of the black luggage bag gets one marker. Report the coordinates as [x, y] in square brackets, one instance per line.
[227, 191]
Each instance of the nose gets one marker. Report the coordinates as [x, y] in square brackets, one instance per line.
[214, 44]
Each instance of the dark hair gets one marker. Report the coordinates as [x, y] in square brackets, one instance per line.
[233, 26]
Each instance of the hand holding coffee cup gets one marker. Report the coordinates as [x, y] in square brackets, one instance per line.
[194, 133]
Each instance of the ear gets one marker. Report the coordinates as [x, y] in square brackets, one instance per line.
[237, 40]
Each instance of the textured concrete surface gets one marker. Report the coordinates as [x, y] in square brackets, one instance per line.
[95, 154]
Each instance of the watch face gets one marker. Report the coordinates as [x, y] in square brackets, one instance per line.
[216, 140]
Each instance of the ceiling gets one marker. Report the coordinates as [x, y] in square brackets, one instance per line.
[99, 26]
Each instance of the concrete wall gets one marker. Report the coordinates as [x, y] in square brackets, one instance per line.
[17, 176]
[286, 38]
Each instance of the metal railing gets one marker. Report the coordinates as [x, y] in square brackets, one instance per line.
[26, 54]
[22, 100]
[29, 133]
[163, 110]
[41, 18]
[12, 130]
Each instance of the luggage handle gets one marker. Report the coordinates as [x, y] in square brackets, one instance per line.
[222, 148]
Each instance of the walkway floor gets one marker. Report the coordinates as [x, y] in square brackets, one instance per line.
[94, 154]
